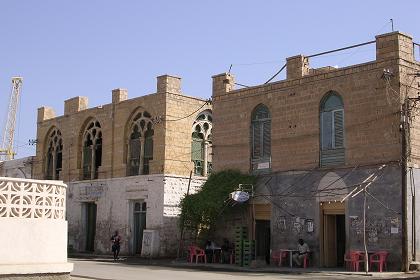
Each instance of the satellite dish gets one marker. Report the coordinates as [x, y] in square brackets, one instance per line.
[239, 196]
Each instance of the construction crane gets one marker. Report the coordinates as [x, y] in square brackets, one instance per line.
[6, 148]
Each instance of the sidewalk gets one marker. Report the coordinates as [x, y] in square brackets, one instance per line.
[217, 267]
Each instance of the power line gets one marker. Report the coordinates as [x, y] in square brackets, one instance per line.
[189, 115]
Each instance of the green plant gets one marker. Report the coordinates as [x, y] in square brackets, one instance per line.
[201, 210]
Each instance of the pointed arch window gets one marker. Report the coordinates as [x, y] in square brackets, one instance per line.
[54, 156]
[92, 150]
[332, 130]
[201, 144]
[261, 138]
[140, 145]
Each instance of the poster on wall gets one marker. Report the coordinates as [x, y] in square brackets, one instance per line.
[309, 225]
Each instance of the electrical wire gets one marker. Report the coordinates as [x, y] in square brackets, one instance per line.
[189, 115]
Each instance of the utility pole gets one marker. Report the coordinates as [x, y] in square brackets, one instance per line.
[404, 126]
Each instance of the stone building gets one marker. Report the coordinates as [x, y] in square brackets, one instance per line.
[319, 135]
[17, 168]
[127, 164]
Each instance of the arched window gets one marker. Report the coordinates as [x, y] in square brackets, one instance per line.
[261, 138]
[332, 130]
[201, 145]
[54, 156]
[140, 145]
[92, 150]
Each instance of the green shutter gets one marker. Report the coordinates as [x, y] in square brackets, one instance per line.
[134, 157]
[87, 162]
[338, 128]
[197, 149]
[148, 147]
[266, 139]
[256, 140]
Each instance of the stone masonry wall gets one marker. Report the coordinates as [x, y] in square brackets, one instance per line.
[173, 113]
[371, 113]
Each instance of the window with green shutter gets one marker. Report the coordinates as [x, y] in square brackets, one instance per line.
[261, 138]
[148, 151]
[140, 144]
[332, 130]
[201, 150]
[53, 156]
[92, 150]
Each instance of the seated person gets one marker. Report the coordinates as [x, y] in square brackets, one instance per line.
[303, 250]
[209, 250]
[226, 250]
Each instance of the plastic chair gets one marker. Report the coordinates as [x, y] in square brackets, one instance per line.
[228, 256]
[306, 260]
[200, 253]
[356, 258]
[278, 257]
[348, 261]
[379, 258]
[191, 253]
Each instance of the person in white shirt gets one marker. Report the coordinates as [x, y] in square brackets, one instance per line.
[303, 250]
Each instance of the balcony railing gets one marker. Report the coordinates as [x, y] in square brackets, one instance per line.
[32, 199]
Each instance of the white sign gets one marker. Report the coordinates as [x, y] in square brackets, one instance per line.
[239, 196]
[263, 165]
[394, 230]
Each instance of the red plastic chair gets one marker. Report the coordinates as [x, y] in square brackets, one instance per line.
[199, 253]
[348, 262]
[278, 257]
[306, 260]
[379, 258]
[356, 259]
[191, 253]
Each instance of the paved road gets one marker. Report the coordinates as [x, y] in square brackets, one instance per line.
[123, 271]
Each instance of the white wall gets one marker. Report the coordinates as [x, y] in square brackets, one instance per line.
[114, 198]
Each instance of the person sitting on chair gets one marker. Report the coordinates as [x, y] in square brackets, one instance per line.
[226, 250]
[303, 250]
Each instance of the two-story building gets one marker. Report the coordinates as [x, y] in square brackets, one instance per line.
[127, 164]
[321, 140]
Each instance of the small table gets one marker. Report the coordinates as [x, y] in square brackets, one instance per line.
[290, 252]
[219, 250]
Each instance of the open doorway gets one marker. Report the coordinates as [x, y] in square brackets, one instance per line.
[333, 235]
[262, 231]
[139, 225]
[262, 236]
[90, 226]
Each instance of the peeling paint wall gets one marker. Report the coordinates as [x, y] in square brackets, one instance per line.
[115, 198]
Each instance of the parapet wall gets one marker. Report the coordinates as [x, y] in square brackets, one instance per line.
[33, 227]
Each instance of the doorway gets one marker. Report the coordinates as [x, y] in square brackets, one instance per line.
[139, 225]
[262, 216]
[90, 226]
[333, 237]
[262, 236]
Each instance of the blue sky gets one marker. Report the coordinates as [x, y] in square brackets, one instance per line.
[69, 48]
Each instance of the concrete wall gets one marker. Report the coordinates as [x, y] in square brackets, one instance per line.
[114, 199]
[297, 197]
[33, 228]
[17, 168]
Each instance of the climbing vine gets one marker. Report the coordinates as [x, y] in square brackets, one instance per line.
[202, 209]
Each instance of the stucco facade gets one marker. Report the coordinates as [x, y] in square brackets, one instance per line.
[130, 159]
[301, 181]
